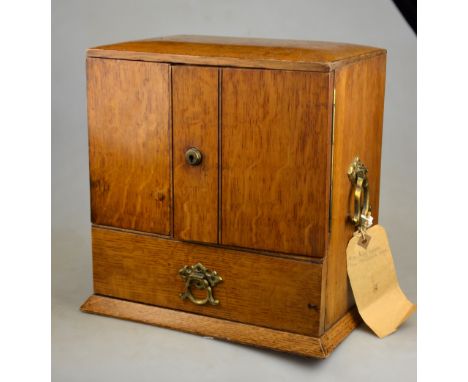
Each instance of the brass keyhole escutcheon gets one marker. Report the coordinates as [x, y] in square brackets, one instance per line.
[198, 276]
[193, 156]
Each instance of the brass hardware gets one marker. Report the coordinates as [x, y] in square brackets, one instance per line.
[201, 278]
[357, 174]
[193, 156]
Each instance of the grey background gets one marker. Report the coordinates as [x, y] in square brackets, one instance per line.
[92, 348]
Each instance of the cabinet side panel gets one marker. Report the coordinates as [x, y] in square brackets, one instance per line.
[275, 160]
[195, 124]
[360, 90]
[129, 144]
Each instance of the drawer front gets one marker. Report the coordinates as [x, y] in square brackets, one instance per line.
[278, 293]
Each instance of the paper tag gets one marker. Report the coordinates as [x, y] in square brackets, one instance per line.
[380, 301]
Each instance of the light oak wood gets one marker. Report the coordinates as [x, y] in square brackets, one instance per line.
[269, 206]
[360, 89]
[195, 124]
[276, 131]
[318, 347]
[256, 289]
[129, 144]
[240, 52]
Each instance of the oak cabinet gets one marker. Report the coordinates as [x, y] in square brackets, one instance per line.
[220, 200]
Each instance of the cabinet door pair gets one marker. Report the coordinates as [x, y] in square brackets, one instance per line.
[264, 135]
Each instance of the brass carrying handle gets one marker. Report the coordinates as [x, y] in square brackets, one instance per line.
[200, 277]
[357, 174]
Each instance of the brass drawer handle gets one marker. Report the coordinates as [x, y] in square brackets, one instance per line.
[357, 174]
[193, 156]
[201, 278]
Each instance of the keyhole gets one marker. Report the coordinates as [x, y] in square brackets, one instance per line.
[193, 156]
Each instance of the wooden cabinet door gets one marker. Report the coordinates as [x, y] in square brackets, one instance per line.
[129, 140]
[275, 158]
[195, 125]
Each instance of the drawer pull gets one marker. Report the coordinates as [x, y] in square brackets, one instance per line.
[193, 156]
[200, 277]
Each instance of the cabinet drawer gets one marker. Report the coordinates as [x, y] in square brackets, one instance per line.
[262, 290]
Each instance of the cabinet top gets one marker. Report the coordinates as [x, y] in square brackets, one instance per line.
[239, 52]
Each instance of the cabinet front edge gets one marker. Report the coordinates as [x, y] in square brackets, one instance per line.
[228, 61]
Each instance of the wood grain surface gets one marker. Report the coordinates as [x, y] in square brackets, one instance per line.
[195, 124]
[256, 289]
[360, 90]
[223, 329]
[240, 52]
[275, 160]
[129, 144]
[273, 179]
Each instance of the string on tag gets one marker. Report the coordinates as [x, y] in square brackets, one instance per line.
[365, 223]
